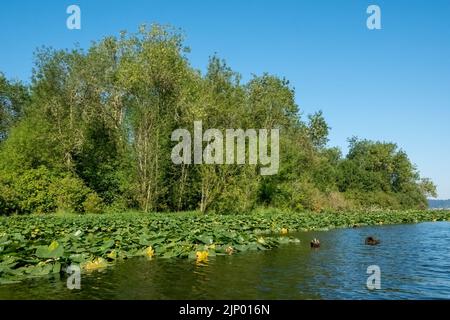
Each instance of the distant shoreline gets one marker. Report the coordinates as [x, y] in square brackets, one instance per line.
[439, 204]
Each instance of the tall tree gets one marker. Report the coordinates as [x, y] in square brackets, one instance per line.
[14, 97]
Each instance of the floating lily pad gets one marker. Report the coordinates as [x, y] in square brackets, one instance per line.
[54, 250]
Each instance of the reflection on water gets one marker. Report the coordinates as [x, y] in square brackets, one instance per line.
[414, 262]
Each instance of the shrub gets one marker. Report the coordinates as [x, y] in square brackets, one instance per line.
[41, 191]
[32, 190]
[338, 202]
[69, 193]
[239, 194]
[8, 196]
[93, 203]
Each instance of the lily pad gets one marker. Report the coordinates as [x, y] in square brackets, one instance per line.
[54, 250]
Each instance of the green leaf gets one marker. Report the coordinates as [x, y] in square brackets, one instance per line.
[205, 239]
[54, 250]
[79, 258]
[56, 268]
[106, 245]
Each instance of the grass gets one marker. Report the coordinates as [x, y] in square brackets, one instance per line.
[40, 245]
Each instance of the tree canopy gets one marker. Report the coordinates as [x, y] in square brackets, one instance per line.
[92, 132]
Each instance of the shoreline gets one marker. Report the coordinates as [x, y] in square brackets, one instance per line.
[41, 245]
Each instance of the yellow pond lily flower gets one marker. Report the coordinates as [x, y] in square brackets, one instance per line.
[284, 231]
[202, 256]
[112, 255]
[229, 250]
[53, 246]
[98, 263]
[149, 252]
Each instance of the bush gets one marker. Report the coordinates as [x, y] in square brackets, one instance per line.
[8, 196]
[298, 196]
[32, 191]
[93, 203]
[41, 191]
[336, 201]
[69, 193]
[239, 194]
[378, 200]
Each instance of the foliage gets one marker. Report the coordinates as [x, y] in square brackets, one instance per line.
[92, 133]
[378, 174]
[41, 191]
[14, 97]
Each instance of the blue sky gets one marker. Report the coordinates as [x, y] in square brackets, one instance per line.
[391, 84]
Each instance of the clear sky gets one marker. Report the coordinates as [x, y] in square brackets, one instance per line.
[391, 84]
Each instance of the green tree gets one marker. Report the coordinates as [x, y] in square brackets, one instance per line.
[318, 129]
[14, 97]
[98, 123]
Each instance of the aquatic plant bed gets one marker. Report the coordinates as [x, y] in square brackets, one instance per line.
[39, 245]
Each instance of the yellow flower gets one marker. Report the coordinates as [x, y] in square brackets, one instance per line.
[53, 246]
[112, 255]
[98, 263]
[202, 256]
[284, 231]
[149, 252]
[261, 240]
[229, 250]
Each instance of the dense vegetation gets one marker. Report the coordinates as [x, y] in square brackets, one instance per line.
[92, 131]
[38, 245]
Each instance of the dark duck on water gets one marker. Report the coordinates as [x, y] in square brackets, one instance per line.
[371, 241]
[315, 243]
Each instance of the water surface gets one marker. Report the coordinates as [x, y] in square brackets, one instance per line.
[414, 262]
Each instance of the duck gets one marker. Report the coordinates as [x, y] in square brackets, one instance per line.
[371, 241]
[315, 243]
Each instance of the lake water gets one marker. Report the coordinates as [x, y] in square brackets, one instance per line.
[414, 261]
